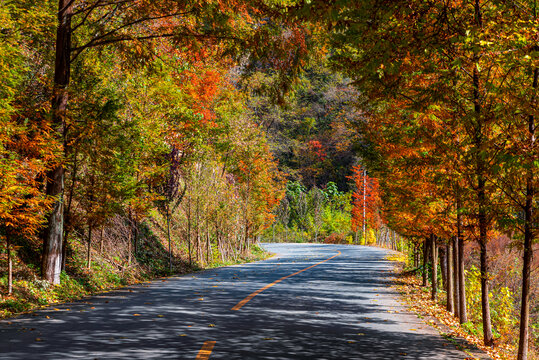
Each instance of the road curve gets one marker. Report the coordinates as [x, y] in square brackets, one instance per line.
[311, 301]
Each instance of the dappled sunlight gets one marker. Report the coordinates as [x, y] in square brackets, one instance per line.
[342, 308]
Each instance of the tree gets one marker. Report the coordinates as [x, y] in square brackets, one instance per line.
[366, 201]
[133, 27]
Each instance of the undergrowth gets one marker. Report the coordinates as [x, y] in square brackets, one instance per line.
[31, 293]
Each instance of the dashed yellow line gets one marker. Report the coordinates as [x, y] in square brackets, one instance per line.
[248, 298]
[205, 351]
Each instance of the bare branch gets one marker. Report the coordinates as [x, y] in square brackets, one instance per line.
[90, 10]
[97, 39]
[99, 3]
[79, 49]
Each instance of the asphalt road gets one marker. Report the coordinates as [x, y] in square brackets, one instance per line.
[341, 308]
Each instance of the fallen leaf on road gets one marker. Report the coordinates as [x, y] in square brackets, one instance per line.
[136, 314]
[211, 325]
[361, 334]
[160, 316]
[268, 338]
[39, 339]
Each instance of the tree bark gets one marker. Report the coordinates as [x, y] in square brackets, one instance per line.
[101, 240]
[89, 250]
[425, 261]
[208, 246]
[527, 257]
[67, 212]
[168, 237]
[434, 272]
[53, 234]
[189, 230]
[485, 303]
[364, 206]
[9, 265]
[450, 278]
[463, 317]
[129, 248]
[442, 254]
[480, 169]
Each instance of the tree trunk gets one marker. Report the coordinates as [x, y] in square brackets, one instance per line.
[89, 249]
[450, 277]
[246, 240]
[415, 255]
[9, 265]
[479, 144]
[189, 230]
[135, 235]
[197, 232]
[455, 277]
[434, 273]
[129, 248]
[101, 241]
[208, 245]
[168, 237]
[526, 275]
[68, 212]
[442, 254]
[463, 317]
[485, 303]
[364, 205]
[425, 260]
[53, 234]
[527, 257]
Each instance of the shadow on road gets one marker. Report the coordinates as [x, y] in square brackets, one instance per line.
[342, 309]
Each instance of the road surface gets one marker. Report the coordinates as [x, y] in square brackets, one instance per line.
[311, 301]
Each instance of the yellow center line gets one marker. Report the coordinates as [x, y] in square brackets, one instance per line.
[248, 298]
[205, 351]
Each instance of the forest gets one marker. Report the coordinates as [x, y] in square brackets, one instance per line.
[147, 138]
